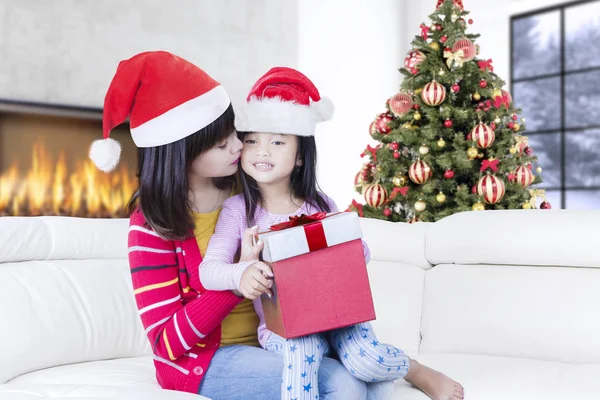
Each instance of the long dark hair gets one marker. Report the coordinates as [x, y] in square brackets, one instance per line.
[163, 192]
[303, 180]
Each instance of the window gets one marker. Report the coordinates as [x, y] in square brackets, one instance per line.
[555, 79]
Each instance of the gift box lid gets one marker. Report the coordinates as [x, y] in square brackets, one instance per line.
[294, 241]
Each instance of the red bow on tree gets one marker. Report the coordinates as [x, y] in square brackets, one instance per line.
[483, 65]
[500, 100]
[424, 31]
[403, 191]
[372, 150]
[457, 3]
[299, 220]
[356, 206]
[492, 164]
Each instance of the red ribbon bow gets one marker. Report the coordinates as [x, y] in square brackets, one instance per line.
[457, 3]
[372, 150]
[299, 220]
[356, 206]
[492, 164]
[403, 191]
[483, 65]
[424, 31]
[500, 100]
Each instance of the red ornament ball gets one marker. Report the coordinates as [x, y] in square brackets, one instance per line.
[396, 154]
[394, 145]
[471, 21]
[491, 188]
[444, 39]
[381, 124]
[482, 84]
[529, 151]
[545, 205]
[375, 195]
[387, 212]
[530, 166]
[455, 88]
[511, 125]
[469, 137]
[515, 117]
[449, 174]
[400, 104]
[474, 189]
[493, 125]
[511, 177]
[448, 123]
[439, 27]
[416, 106]
[413, 60]
[433, 94]
[467, 47]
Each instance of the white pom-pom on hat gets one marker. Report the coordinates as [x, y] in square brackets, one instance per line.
[323, 109]
[105, 153]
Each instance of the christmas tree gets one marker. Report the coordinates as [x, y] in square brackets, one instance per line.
[450, 140]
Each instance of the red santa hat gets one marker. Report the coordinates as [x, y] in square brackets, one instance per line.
[166, 99]
[283, 101]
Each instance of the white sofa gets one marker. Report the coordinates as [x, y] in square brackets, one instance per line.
[507, 303]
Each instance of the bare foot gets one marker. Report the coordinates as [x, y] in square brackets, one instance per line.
[433, 383]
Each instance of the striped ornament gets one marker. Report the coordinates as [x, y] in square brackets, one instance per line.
[433, 94]
[483, 135]
[491, 188]
[524, 176]
[419, 172]
[375, 195]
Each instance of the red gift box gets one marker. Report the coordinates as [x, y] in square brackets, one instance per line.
[321, 280]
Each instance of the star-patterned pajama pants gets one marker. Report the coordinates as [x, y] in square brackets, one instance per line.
[357, 348]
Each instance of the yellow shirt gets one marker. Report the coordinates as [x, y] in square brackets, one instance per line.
[241, 325]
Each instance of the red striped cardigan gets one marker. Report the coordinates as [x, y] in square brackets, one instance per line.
[181, 319]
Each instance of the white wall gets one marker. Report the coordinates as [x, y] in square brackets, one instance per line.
[67, 51]
[352, 51]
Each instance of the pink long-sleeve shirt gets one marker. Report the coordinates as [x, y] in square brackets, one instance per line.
[217, 270]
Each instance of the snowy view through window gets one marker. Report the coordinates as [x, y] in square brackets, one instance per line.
[556, 81]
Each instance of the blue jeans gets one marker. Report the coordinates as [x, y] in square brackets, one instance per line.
[252, 373]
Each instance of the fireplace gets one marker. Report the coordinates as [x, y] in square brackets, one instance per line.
[44, 165]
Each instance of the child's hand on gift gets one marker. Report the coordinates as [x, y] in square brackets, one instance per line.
[250, 249]
[256, 280]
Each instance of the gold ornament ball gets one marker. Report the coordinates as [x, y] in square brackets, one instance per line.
[497, 120]
[512, 150]
[441, 143]
[476, 96]
[526, 206]
[441, 197]
[516, 127]
[538, 170]
[424, 150]
[417, 116]
[441, 73]
[399, 180]
[480, 155]
[472, 152]
[418, 91]
[420, 206]
[478, 206]
[434, 46]
[379, 168]
[523, 120]
[497, 92]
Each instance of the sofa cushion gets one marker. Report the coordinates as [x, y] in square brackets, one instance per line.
[516, 237]
[64, 312]
[544, 313]
[396, 242]
[398, 295]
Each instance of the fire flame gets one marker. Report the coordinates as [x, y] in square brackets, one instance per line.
[48, 188]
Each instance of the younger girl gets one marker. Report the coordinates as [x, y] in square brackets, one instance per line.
[279, 181]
